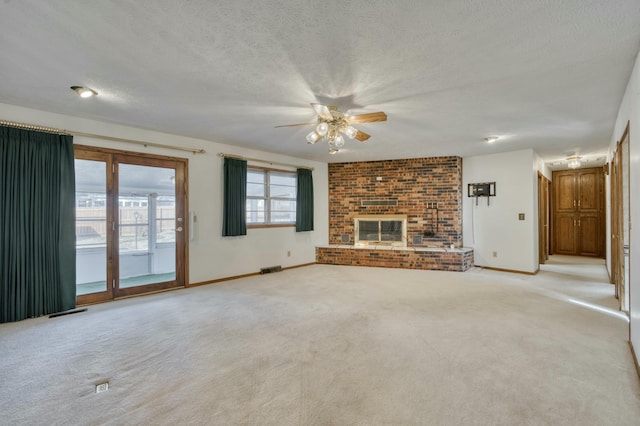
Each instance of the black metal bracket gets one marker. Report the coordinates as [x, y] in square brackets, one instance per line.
[484, 189]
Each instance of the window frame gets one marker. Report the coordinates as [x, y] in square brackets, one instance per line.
[267, 198]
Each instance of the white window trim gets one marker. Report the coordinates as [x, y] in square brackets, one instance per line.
[267, 199]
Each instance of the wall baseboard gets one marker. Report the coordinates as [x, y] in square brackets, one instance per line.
[164, 290]
[513, 271]
[219, 280]
[302, 265]
[635, 358]
[235, 277]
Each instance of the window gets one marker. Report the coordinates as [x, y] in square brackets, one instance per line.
[271, 197]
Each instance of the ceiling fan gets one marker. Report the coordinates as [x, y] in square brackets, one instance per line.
[332, 124]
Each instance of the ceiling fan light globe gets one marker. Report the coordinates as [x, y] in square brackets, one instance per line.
[84, 92]
[339, 141]
[322, 128]
[351, 132]
[313, 137]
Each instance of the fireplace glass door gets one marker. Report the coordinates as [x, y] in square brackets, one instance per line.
[382, 231]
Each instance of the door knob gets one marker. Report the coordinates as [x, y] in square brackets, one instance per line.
[179, 229]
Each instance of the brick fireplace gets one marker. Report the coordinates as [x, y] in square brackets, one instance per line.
[428, 191]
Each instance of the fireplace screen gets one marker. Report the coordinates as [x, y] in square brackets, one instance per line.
[380, 230]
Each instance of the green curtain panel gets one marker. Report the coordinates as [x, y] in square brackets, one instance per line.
[37, 224]
[304, 201]
[234, 220]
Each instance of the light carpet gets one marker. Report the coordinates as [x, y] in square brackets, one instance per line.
[334, 345]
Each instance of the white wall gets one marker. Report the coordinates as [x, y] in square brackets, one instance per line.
[630, 112]
[542, 167]
[496, 227]
[211, 256]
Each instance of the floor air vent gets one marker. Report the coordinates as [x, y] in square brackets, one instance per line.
[271, 269]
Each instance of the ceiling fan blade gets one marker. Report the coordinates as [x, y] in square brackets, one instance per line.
[362, 136]
[296, 125]
[322, 110]
[371, 117]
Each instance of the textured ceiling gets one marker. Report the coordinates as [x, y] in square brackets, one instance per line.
[544, 74]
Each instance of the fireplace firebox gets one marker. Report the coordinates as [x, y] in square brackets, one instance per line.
[389, 230]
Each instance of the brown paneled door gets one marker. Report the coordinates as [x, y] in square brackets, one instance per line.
[620, 219]
[565, 227]
[543, 218]
[130, 223]
[578, 212]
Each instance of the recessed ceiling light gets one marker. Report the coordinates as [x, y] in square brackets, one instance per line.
[84, 92]
[491, 139]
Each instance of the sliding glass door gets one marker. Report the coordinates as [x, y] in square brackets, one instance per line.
[130, 224]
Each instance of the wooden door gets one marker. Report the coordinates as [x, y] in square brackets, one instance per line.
[543, 218]
[578, 212]
[589, 195]
[565, 234]
[588, 235]
[615, 219]
[131, 223]
[150, 224]
[565, 221]
[588, 190]
[617, 275]
[94, 263]
[565, 192]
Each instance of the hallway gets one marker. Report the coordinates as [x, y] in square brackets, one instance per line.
[583, 278]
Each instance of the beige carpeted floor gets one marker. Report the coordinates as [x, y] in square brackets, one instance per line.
[333, 345]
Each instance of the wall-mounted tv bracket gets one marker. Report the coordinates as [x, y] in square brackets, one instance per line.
[484, 189]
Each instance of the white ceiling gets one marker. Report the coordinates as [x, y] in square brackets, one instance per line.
[543, 74]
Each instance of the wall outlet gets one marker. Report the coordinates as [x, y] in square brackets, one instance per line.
[495, 254]
[521, 216]
[288, 253]
[102, 387]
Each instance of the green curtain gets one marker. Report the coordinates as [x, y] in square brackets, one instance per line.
[37, 224]
[234, 220]
[304, 201]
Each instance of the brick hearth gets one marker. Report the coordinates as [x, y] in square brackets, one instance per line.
[458, 260]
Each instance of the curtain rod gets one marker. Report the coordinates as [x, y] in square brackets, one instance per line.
[256, 160]
[93, 135]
